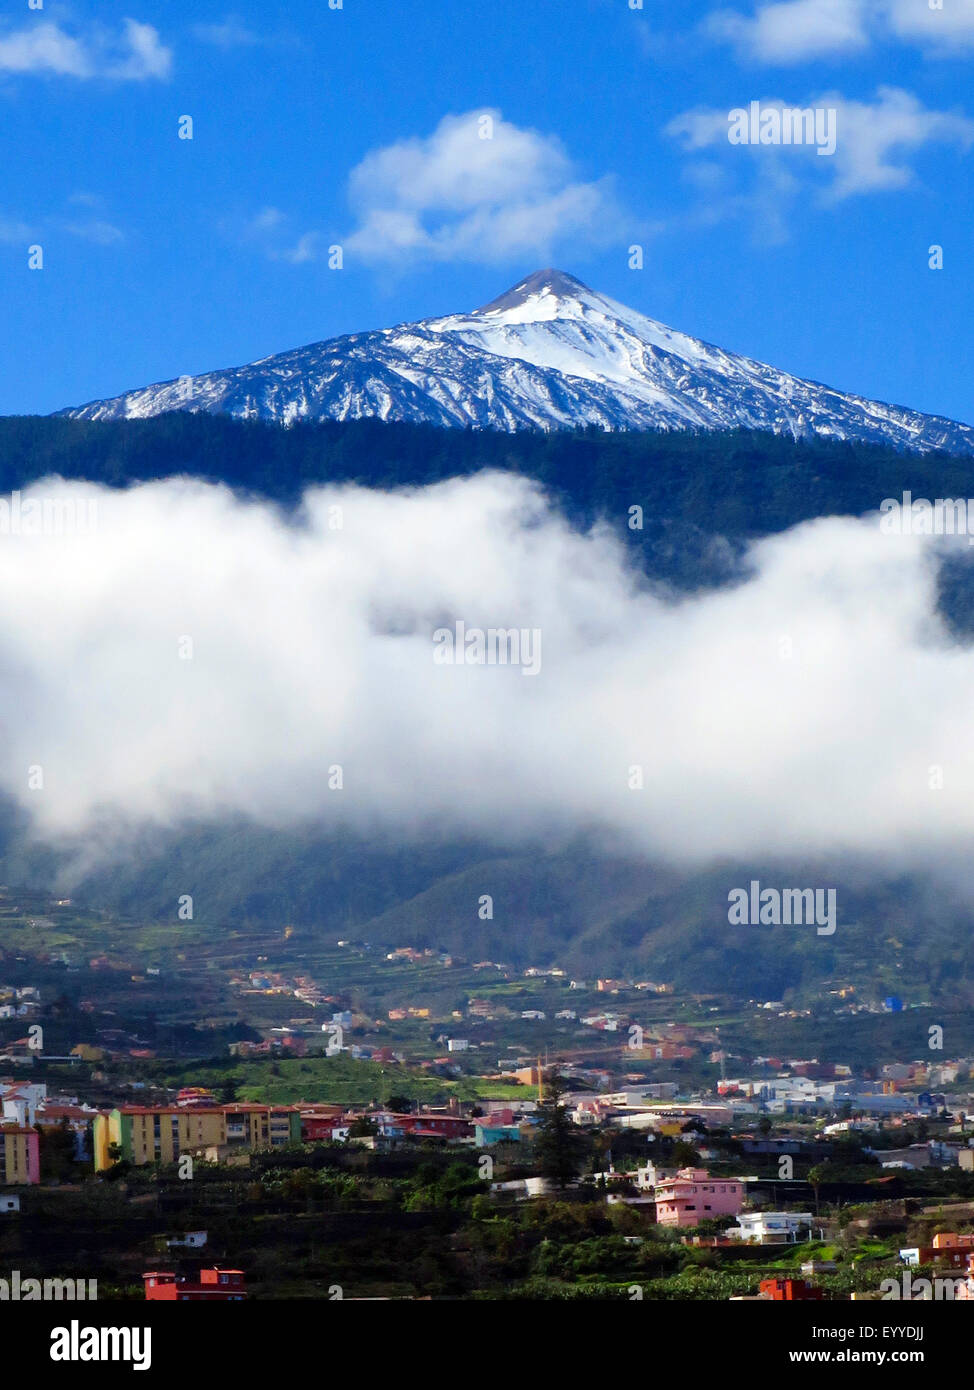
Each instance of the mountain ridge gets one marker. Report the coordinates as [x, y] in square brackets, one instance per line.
[549, 353]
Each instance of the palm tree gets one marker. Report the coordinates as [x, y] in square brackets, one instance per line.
[816, 1176]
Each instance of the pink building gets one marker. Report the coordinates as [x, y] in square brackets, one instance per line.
[19, 1154]
[694, 1196]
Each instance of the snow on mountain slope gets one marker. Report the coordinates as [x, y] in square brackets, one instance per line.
[548, 353]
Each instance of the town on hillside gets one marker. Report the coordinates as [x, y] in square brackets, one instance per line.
[398, 1123]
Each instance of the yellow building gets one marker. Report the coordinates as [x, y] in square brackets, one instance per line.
[160, 1134]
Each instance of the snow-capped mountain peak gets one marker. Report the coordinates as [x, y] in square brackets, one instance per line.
[548, 353]
[544, 291]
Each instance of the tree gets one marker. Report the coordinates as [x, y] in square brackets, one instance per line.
[57, 1152]
[361, 1127]
[62, 1006]
[559, 1145]
[120, 1166]
[685, 1155]
[816, 1176]
[228, 1090]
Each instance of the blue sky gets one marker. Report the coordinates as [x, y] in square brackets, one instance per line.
[315, 127]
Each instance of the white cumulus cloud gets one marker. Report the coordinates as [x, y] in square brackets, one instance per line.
[134, 54]
[782, 32]
[227, 33]
[942, 30]
[793, 31]
[878, 144]
[479, 188]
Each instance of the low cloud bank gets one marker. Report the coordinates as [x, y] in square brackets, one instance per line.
[192, 654]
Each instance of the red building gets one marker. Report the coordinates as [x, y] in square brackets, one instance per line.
[789, 1290]
[424, 1126]
[319, 1121]
[213, 1286]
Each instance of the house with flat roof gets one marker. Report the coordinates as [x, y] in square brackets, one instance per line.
[772, 1227]
[693, 1196]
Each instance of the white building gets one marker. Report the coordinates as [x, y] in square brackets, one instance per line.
[193, 1240]
[648, 1176]
[772, 1227]
[20, 1101]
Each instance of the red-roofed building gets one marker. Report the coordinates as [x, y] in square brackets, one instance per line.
[319, 1122]
[213, 1286]
[425, 1126]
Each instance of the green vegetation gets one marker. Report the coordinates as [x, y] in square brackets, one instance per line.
[418, 1221]
[181, 990]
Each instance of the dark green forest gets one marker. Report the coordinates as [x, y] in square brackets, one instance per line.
[703, 494]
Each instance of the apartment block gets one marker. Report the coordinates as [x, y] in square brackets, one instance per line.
[19, 1154]
[151, 1134]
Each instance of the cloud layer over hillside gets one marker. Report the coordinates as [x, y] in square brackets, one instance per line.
[800, 711]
